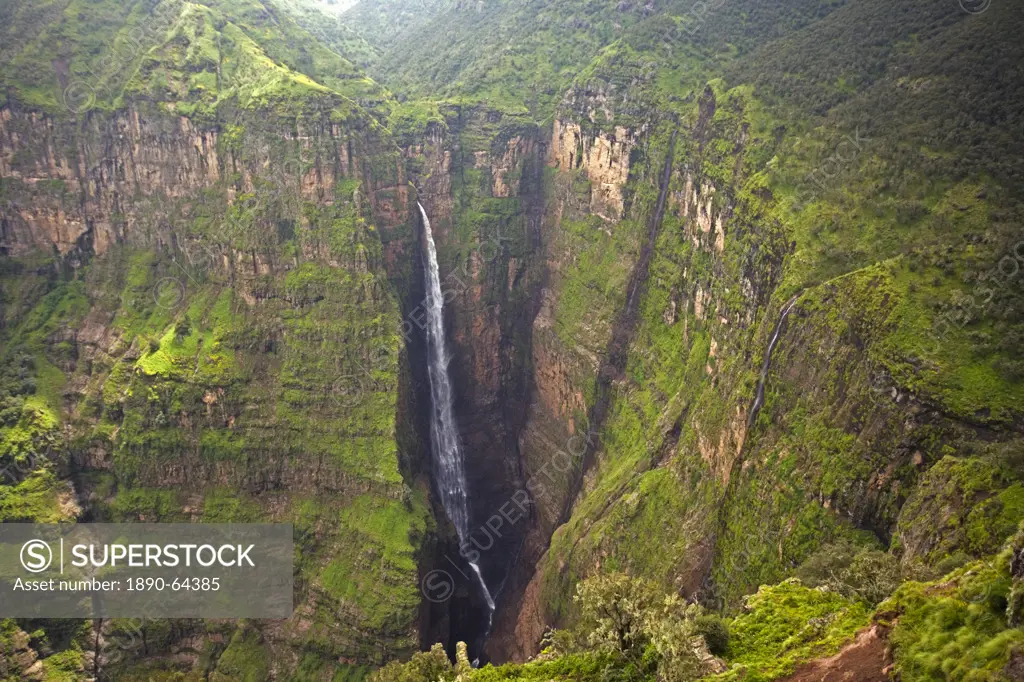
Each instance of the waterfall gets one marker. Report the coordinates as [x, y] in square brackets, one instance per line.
[759, 398]
[450, 472]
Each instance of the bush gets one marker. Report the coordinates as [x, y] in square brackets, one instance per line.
[715, 631]
[429, 666]
[872, 576]
[182, 329]
[826, 563]
[635, 618]
[951, 562]
[869, 575]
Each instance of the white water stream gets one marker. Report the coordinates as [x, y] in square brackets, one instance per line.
[450, 472]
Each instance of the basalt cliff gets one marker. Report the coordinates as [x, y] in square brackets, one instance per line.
[731, 295]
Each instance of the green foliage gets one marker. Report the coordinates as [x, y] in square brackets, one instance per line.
[38, 498]
[956, 628]
[432, 666]
[378, 541]
[409, 120]
[786, 624]
[579, 667]
[245, 659]
[968, 504]
[150, 505]
[190, 57]
[64, 666]
[629, 629]
[715, 631]
[634, 619]
[862, 574]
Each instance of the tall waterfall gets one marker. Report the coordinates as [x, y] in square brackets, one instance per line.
[444, 436]
[759, 397]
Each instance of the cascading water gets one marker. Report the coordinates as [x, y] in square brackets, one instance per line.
[450, 472]
[759, 398]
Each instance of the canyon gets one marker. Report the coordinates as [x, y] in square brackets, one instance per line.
[482, 338]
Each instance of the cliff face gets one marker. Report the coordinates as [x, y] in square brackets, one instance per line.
[101, 165]
[479, 178]
[206, 311]
[604, 158]
[259, 318]
[121, 178]
[689, 483]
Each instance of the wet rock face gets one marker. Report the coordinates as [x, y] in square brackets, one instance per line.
[490, 280]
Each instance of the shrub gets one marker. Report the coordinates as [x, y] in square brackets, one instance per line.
[182, 329]
[869, 575]
[715, 631]
[652, 630]
[429, 666]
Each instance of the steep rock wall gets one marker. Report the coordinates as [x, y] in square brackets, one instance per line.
[480, 179]
[604, 157]
[686, 487]
[592, 249]
[216, 310]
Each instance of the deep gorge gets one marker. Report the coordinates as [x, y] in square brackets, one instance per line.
[524, 313]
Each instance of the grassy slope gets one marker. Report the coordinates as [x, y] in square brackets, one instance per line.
[85, 54]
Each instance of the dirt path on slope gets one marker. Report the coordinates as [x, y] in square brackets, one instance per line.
[865, 659]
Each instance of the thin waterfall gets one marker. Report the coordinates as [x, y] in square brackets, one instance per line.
[450, 472]
[759, 398]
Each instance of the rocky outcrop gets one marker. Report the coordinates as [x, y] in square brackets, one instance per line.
[18, 661]
[705, 226]
[603, 156]
[506, 171]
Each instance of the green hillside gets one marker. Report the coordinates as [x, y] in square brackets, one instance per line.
[762, 260]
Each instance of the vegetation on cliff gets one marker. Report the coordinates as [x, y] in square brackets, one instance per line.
[960, 626]
[208, 250]
[223, 346]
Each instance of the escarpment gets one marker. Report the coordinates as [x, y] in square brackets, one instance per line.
[685, 488]
[720, 304]
[124, 178]
[210, 306]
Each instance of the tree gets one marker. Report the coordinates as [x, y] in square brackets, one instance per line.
[652, 630]
[428, 666]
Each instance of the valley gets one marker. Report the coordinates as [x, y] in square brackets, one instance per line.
[708, 316]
